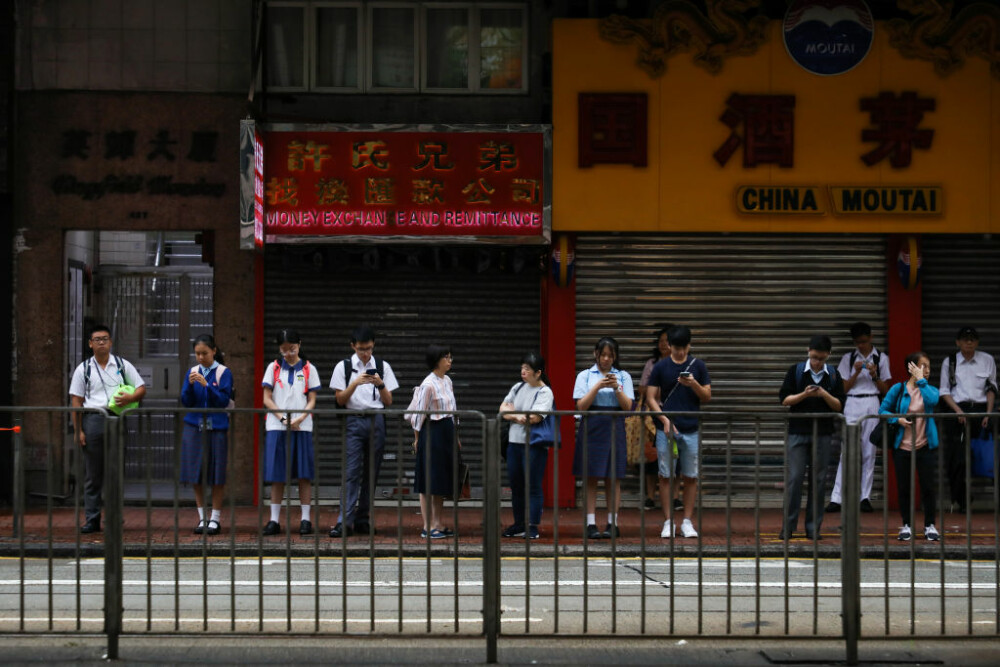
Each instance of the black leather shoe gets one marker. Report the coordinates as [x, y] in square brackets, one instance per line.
[213, 527]
[363, 528]
[200, 528]
[833, 507]
[818, 538]
[305, 527]
[339, 531]
[271, 528]
[866, 506]
[594, 533]
[611, 530]
[92, 526]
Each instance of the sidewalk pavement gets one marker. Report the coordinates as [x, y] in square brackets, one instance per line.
[398, 529]
[441, 652]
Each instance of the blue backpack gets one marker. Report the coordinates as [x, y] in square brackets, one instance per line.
[800, 374]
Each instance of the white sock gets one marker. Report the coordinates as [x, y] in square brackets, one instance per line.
[306, 512]
[612, 519]
[216, 515]
[275, 512]
[591, 519]
[201, 514]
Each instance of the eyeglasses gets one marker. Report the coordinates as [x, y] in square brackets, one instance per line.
[101, 339]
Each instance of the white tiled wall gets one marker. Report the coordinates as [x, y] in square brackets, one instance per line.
[176, 45]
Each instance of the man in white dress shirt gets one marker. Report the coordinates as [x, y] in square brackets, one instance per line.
[968, 384]
[361, 383]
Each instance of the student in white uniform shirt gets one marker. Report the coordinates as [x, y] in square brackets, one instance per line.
[289, 384]
[94, 383]
[866, 379]
[361, 383]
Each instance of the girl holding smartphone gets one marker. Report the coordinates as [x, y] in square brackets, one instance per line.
[602, 387]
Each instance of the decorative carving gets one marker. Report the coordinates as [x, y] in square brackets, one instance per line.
[944, 40]
[678, 26]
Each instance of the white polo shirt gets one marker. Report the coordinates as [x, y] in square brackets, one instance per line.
[289, 392]
[103, 382]
[970, 377]
[365, 396]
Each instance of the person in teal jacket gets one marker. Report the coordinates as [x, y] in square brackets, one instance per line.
[915, 444]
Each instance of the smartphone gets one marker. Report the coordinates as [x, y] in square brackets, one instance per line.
[684, 374]
[371, 371]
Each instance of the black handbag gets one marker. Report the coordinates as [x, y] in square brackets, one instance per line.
[883, 424]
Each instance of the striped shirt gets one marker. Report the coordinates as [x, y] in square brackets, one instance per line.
[435, 393]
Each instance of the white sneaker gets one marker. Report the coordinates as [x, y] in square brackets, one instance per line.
[931, 533]
[687, 528]
[668, 529]
[905, 534]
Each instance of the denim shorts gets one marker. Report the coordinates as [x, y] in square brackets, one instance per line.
[687, 454]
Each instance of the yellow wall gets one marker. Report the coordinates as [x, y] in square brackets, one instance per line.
[684, 188]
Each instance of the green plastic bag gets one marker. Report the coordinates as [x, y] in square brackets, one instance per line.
[122, 389]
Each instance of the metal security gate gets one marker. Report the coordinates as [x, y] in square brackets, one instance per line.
[961, 286]
[154, 317]
[483, 301]
[752, 303]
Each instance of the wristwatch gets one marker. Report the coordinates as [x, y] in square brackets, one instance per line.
[380, 387]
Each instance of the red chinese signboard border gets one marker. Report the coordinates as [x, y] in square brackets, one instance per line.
[472, 183]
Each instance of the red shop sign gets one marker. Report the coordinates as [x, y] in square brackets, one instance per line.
[377, 183]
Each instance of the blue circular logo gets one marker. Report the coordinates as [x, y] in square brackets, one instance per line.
[828, 37]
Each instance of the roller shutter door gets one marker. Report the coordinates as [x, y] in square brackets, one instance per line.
[961, 286]
[482, 301]
[752, 303]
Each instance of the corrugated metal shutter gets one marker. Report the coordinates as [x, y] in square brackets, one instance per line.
[752, 303]
[483, 301]
[961, 286]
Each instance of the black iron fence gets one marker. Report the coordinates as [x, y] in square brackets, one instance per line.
[739, 569]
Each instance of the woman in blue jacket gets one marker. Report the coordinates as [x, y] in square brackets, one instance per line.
[204, 444]
[915, 442]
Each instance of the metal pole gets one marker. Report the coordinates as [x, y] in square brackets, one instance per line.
[850, 574]
[113, 437]
[18, 478]
[491, 539]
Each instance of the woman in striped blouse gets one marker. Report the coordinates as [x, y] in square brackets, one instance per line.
[435, 439]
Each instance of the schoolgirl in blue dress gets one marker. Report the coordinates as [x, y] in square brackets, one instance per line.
[290, 384]
[602, 387]
[204, 444]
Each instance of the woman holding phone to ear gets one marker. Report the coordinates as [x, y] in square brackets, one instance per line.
[602, 387]
[915, 442]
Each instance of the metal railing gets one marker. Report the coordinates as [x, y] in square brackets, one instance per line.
[146, 573]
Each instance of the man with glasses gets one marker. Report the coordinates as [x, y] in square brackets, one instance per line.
[361, 382]
[95, 384]
[968, 383]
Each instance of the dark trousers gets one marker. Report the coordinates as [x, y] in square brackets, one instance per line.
[925, 461]
[955, 446]
[93, 465]
[363, 459]
[534, 463]
[799, 456]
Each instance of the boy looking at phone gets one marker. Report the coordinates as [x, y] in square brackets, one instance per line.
[361, 382]
[678, 383]
[811, 386]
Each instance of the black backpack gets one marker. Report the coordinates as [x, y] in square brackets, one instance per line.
[875, 360]
[990, 387]
[121, 370]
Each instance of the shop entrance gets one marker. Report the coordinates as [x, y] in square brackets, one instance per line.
[156, 294]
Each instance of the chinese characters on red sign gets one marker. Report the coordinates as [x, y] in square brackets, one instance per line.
[404, 183]
[764, 126]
